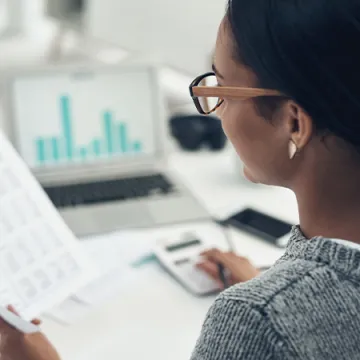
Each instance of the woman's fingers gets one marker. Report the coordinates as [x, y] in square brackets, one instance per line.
[212, 270]
[228, 259]
[239, 267]
[216, 256]
[13, 310]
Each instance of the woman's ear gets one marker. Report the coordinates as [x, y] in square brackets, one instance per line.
[299, 125]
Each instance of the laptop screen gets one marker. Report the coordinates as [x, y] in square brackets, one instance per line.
[64, 118]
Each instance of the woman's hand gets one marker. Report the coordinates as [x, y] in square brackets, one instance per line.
[15, 345]
[240, 268]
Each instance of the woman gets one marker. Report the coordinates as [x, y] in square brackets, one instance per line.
[303, 133]
[289, 90]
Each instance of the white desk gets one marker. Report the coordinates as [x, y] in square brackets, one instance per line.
[154, 318]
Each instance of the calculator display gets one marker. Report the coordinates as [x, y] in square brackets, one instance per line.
[183, 245]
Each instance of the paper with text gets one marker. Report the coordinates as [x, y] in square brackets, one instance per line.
[41, 261]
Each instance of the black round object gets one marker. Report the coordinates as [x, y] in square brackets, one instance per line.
[193, 132]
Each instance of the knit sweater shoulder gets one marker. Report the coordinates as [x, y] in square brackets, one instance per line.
[307, 306]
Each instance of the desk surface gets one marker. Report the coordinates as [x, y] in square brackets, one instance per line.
[154, 318]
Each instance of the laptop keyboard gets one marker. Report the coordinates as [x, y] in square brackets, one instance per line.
[110, 190]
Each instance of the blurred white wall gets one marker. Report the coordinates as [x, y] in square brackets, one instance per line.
[180, 32]
[26, 33]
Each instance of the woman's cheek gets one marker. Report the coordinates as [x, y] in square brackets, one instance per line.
[226, 118]
[220, 112]
[249, 176]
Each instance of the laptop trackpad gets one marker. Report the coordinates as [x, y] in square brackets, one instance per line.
[107, 218]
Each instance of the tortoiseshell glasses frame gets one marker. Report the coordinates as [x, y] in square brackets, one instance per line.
[197, 90]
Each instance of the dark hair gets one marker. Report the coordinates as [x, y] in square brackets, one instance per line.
[308, 50]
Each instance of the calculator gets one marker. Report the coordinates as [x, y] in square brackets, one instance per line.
[180, 256]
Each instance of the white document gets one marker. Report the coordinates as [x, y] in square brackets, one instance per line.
[41, 262]
[113, 255]
[69, 312]
[117, 250]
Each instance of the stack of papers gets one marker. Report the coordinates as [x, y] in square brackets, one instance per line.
[41, 261]
[113, 256]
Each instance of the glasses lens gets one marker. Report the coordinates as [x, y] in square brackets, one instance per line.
[208, 104]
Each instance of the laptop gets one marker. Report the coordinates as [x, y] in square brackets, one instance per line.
[95, 138]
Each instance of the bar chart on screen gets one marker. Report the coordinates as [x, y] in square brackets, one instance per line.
[65, 119]
[113, 140]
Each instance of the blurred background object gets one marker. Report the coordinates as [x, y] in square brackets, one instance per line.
[68, 12]
[153, 27]
[196, 132]
[109, 31]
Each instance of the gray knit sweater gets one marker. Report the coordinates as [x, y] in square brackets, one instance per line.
[306, 307]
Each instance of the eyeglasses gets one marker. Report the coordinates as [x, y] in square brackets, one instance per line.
[208, 96]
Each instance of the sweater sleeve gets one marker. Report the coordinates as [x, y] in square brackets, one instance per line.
[234, 330]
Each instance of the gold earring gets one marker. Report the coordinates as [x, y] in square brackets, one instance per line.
[292, 149]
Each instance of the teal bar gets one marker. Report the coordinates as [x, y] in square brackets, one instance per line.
[108, 132]
[96, 147]
[147, 259]
[137, 146]
[61, 148]
[40, 150]
[66, 123]
[55, 148]
[77, 154]
[123, 138]
[83, 153]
